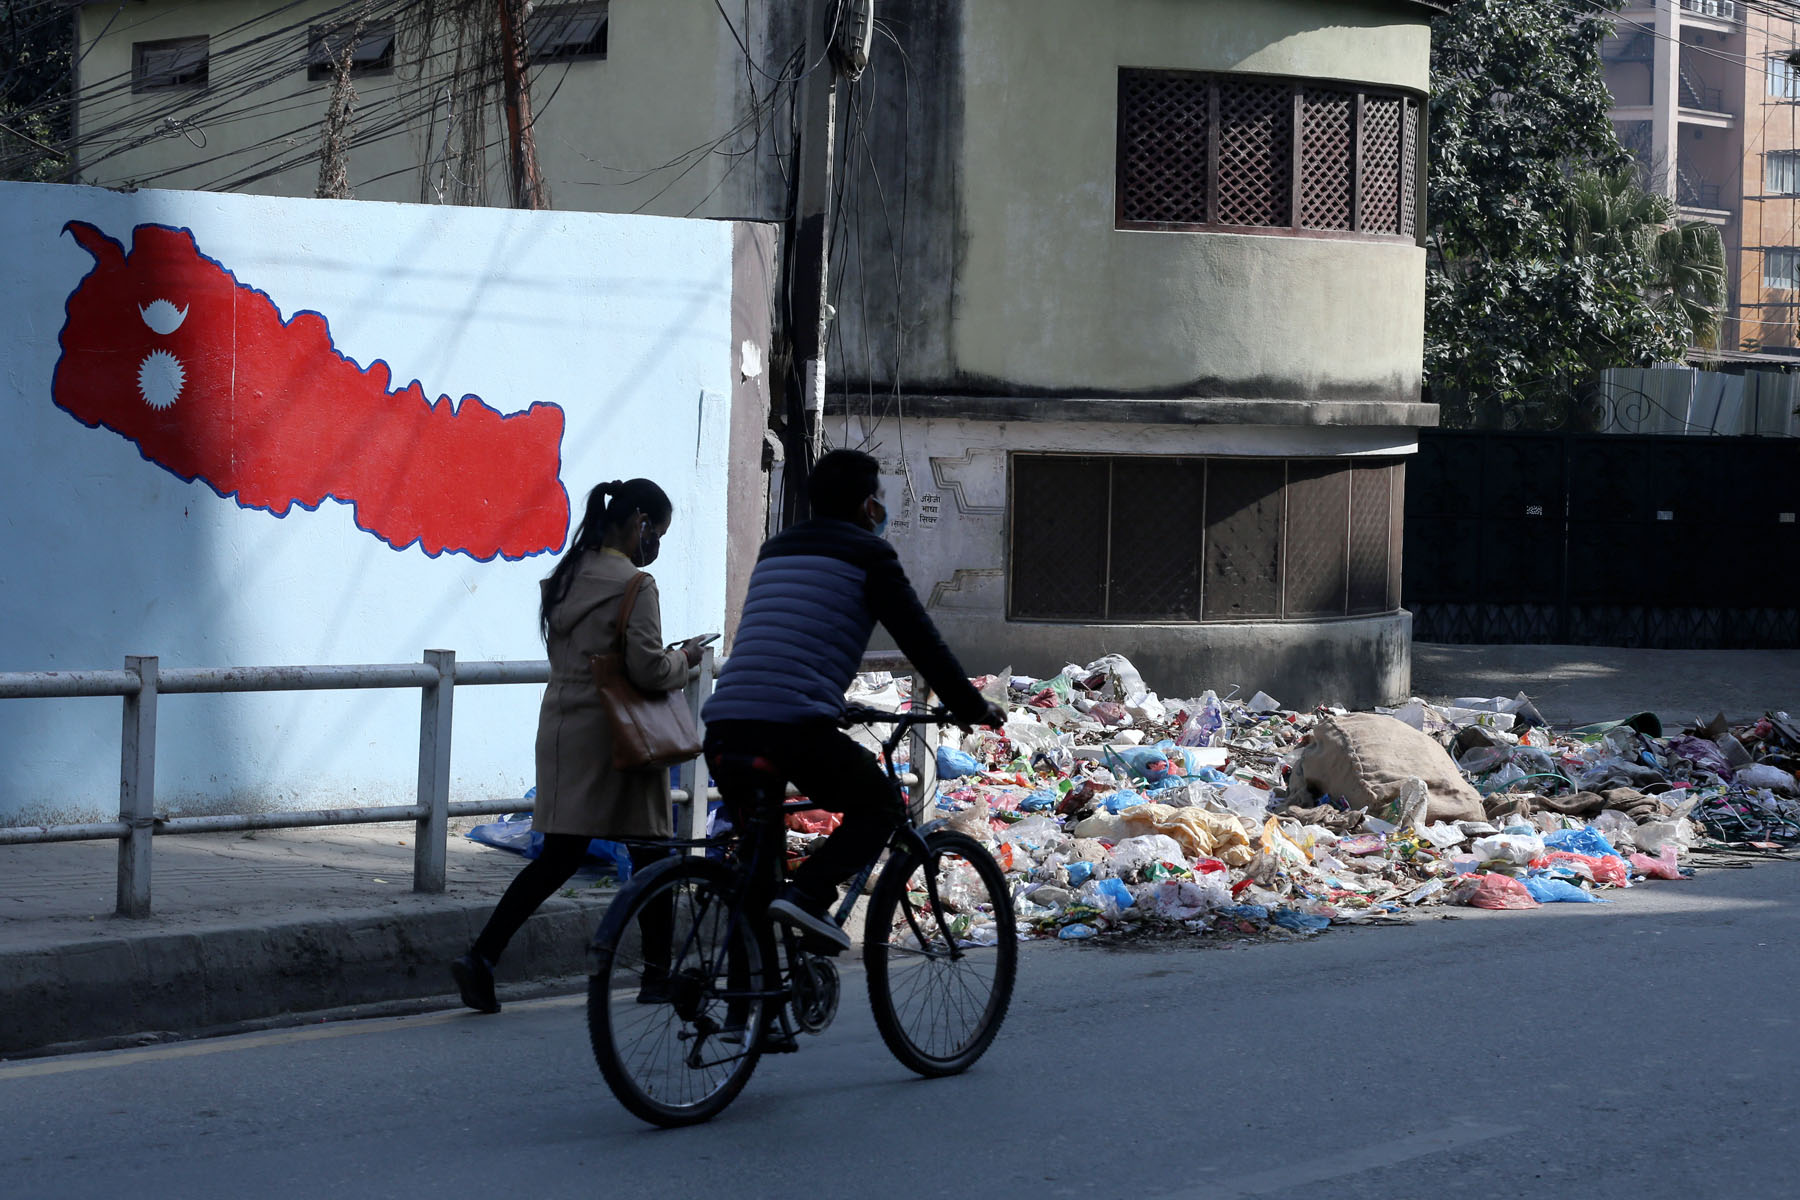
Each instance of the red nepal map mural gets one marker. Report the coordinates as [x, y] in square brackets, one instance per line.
[165, 347]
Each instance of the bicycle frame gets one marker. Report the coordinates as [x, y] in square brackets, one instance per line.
[760, 874]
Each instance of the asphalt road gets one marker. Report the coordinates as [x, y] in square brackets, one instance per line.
[1646, 1048]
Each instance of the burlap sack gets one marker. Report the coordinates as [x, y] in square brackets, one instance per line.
[1363, 758]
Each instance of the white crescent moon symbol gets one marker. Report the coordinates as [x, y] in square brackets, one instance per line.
[162, 316]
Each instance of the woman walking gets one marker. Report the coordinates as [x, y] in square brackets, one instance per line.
[580, 794]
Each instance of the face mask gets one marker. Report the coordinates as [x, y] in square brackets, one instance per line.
[881, 522]
[649, 546]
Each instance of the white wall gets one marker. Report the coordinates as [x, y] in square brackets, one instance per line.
[623, 323]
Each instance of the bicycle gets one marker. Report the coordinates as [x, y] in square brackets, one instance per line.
[691, 981]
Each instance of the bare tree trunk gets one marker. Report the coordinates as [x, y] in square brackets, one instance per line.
[527, 183]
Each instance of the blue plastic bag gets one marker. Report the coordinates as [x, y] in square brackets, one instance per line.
[954, 764]
[1120, 801]
[1116, 891]
[1074, 933]
[1299, 922]
[1146, 762]
[1079, 872]
[1249, 912]
[1039, 800]
[1586, 841]
[1546, 890]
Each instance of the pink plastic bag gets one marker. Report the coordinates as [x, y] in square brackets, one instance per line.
[1604, 868]
[1663, 866]
[1501, 891]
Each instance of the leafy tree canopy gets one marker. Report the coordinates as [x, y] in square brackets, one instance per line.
[1548, 262]
[35, 39]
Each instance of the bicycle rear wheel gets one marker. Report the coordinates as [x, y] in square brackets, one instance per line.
[677, 997]
[939, 984]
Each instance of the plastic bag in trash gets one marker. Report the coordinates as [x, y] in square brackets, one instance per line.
[1546, 890]
[1110, 896]
[1118, 802]
[1141, 851]
[1499, 892]
[1185, 899]
[1299, 922]
[955, 764]
[1586, 840]
[1509, 847]
[513, 832]
[1146, 762]
[1766, 775]
[1071, 933]
[1663, 866]
[1603, 868]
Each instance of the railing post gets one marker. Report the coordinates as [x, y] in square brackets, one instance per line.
[431, 833]
[692, 775]
[923, 757]
[137, 788]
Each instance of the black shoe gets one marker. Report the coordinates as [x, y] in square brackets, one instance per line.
[475, 980]
[655, 989]
[799, 910]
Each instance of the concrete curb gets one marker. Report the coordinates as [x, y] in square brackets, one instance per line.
[193, 980]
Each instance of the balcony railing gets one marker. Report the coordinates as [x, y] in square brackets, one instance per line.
[1725, 10]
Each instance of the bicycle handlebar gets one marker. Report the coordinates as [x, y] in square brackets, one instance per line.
[860, 714]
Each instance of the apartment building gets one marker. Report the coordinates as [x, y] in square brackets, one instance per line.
[1704, 96]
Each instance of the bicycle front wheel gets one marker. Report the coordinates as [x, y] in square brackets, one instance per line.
[940, 981]
[678, 994]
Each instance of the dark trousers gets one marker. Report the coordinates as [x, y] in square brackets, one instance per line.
[827, 767]
[542, 877]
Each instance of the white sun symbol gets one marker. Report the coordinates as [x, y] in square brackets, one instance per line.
[160, 379]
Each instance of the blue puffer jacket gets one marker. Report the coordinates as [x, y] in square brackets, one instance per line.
[815, 596]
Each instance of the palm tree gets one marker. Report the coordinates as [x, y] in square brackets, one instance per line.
[1609, 214]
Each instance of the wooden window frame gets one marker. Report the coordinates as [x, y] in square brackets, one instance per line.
[1297, 86]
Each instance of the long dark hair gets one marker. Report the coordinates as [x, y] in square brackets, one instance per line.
[608, 506]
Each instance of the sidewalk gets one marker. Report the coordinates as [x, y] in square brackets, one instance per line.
[255, 926]
[249, 926]
[1576, 685]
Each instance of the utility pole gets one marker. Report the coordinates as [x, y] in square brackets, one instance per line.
[811, 245]
[527, 181]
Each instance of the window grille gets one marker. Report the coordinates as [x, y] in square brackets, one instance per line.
[1164, 539]
[173, 63]
[1205, 151]
[373, 54]
[567, 32]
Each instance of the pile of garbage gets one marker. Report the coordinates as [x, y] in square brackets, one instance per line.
[1114, 811]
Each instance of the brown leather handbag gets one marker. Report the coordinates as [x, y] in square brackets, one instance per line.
[649, 729]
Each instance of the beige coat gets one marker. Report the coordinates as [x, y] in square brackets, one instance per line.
[578, 791]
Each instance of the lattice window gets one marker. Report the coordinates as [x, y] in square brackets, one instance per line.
[1327, 142]
[1256, 154]
[1383, 145]
[1163, 138]
[1099, 539]
[1235, 152]
[1409, 173]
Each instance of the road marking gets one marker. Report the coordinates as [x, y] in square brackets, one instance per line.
[1351, 1162]
[253, 1041]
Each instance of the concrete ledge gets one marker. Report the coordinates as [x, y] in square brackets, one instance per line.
[196, 979]
[1178, 411]
[1357, 662]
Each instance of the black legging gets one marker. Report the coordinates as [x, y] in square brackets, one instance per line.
[550, 870]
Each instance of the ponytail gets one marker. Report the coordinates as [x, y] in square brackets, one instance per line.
[609, 505]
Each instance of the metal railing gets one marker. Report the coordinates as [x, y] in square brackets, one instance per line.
[143, 682]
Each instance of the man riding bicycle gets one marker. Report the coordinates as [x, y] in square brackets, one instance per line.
[816, 593]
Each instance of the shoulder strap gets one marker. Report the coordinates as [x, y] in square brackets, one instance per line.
[625, 606]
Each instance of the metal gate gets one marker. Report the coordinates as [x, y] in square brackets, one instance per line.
[1604, 539]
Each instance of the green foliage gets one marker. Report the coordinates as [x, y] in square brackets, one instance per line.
[1548, 263]
[35, 40]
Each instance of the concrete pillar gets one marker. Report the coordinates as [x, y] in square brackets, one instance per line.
[1665, 99]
